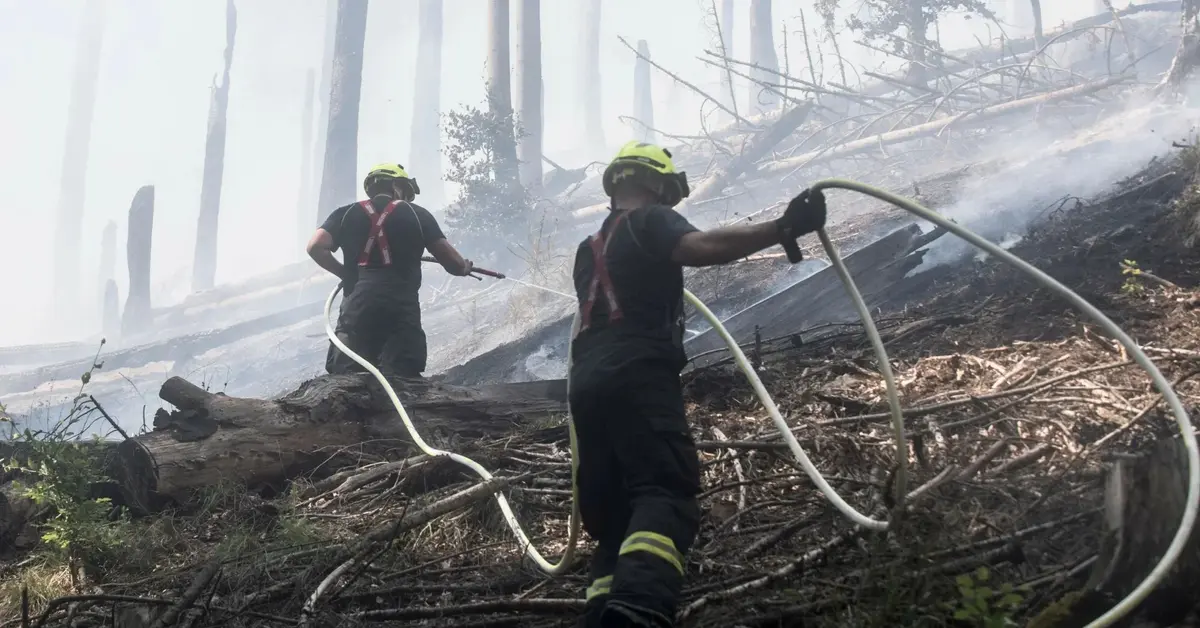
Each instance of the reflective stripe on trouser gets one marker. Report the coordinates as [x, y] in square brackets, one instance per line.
[656, 544]
[600, 586]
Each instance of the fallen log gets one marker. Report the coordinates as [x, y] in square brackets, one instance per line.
[820, 297]
[213, 438]
[933, 128]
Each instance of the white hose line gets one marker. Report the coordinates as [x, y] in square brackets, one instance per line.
[510, 518]
[1186, 431]
[1114, 614]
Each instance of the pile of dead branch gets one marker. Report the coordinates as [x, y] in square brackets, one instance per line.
[1008, 445]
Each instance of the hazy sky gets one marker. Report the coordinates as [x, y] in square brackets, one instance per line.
[161, 57]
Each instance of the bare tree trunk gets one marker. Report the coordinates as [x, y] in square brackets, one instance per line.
[140, 234]
[1188, 53]
[339, 177]
[204, 265]
[425, 156]
[323, 96]
[305, 213]
[529, 92]
[762, 54]
[108, 257]
[499, 88]
[643, 102]
[73, 173]
[589, 79]
[725, 25]
[917, 29]
[110, 321]
[1035, 6]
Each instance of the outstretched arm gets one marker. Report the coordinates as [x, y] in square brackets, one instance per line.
[448, 257]
[320, 249]
[724, 244]
[804, 214]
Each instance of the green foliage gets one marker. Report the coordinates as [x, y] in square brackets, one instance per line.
[1129, 268]
[481, 146]
[981, 605]
[886, 21]
[58, 469]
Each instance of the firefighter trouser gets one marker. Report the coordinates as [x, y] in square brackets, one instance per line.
[382, 323]
[638, 480]
[336, 362]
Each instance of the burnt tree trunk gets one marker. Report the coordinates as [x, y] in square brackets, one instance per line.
[1188, 53]
[643, 101]
[725, 26]
[529, 92]
[108, 258]
[204, 265]
[323, 98]
[1035, 7]
[72, 190]
[918, 26]
[590, 87]
[212, 438]
[425, 156]
[1144, 500]
[339, 178]
[304, 203]
[110, 320]
[762, 54]
[140, 232]
[499, 90]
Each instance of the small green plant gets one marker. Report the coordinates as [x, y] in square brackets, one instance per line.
[58, 469]
[982, 606]
[1132, 273]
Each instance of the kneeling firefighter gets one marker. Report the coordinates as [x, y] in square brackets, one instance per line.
[380, 317]
[638, 474]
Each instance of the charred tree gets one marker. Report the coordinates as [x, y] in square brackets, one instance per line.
[72, 189]
[589, 79]
[108, 257]
[111, 312]
[204, 265]
[1188, 53]
[339, 175]
[140, 234]
[499, 91]
[725, 31]
[1035, 7]
[304, 202]
[425, 158]
[323, 97]
[762, 54]
[214, 437]
[529, 92]
[643, 102]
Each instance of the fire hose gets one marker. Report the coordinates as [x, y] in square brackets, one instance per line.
[1122, 608]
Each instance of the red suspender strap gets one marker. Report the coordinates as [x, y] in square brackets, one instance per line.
[377, 233]
[601, 279]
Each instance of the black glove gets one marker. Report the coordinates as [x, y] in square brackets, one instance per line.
[805, 214]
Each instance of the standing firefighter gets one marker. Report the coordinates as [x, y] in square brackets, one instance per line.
[382, 240]
[638, 471]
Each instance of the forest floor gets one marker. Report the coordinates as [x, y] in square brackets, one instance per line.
[1014, 403]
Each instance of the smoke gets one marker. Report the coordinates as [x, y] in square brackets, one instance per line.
[1039, 171]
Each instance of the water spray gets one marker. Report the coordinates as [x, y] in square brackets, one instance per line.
[1117, 612]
